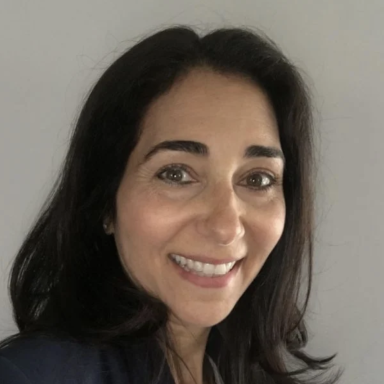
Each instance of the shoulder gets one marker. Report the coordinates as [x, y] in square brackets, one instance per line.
[43, 360]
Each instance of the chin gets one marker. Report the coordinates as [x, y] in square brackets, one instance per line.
[205, 316]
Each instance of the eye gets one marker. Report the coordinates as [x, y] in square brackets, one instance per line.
[175, 174]
[260, 181]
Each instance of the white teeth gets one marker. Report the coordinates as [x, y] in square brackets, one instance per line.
[208, 269]
[198, 266]
[202, 269]
[221, 269]
[183, 260]
[230, 265]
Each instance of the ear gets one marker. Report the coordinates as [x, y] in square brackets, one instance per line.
[108, 227]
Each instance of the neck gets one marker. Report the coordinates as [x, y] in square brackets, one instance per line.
[190, 343]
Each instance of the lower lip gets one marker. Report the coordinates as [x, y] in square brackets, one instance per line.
[208, 282]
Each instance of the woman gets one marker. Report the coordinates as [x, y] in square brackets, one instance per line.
[172, 246]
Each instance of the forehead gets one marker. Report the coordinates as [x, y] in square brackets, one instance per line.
[205, 105]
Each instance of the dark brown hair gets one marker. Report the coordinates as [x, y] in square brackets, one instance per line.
[67, 278]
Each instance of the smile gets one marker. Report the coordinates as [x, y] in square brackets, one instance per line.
[202, 269]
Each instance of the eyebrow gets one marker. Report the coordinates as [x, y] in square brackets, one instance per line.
[200, 149]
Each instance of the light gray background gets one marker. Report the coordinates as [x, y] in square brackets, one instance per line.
[52, 51]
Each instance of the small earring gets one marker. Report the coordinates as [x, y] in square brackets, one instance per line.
[105, 226]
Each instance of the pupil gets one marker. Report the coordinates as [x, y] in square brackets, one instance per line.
[255, 180]
[175, 175]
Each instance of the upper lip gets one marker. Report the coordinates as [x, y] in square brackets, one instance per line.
[208, 260]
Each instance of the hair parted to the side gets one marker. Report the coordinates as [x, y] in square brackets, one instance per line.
[67, 278]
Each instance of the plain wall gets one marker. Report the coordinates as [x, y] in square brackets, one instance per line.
[53, 51]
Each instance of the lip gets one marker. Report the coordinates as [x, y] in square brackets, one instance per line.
[207, 260]
[208, 282]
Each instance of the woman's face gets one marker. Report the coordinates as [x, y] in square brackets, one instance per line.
[203, 183]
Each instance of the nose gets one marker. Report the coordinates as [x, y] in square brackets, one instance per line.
[221, 220]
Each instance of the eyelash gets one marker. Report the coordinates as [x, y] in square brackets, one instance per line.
[273, 180]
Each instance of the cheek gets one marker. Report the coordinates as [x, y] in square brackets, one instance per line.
[275, 226]
[264, 231]
[142, 229]
[146, 224]
[267, 227]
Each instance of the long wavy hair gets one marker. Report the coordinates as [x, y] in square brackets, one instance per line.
[67, 279]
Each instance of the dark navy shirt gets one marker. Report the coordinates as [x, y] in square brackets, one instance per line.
[43, 360]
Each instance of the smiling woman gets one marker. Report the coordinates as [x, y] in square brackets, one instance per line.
[201, 195]
[172, 247]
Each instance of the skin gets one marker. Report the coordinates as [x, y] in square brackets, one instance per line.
[220, 214]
